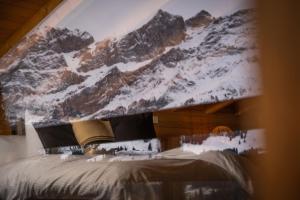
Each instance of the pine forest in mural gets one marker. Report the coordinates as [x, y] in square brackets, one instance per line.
[57, 73]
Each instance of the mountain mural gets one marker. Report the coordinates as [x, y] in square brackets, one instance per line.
[168, 62]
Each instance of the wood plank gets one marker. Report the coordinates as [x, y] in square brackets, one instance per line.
[14, 13]
[218, 106]
[195, 126]
[169, 142]
[8, 25]
[33, 21]
[26, 4]
[174, 131]
[249, 105]
[4, 33]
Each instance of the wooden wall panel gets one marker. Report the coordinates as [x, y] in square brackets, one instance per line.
[202, 119]
[171, 125]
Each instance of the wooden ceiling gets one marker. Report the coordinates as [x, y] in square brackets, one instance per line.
[18, 17]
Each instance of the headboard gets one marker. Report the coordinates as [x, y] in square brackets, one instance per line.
[203, 119]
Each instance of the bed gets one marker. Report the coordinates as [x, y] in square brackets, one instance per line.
[173, 174]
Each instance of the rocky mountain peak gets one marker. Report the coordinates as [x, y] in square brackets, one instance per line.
[203, 18]
[163, 18]
[146, 42]
[162, 30]
[65, 40]
[203, 13]
[162, 15]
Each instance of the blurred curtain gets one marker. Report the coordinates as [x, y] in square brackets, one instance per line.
[279, 37]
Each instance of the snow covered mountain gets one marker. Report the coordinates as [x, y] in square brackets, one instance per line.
[166, 63]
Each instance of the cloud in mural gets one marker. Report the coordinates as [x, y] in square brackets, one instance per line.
[104, 59]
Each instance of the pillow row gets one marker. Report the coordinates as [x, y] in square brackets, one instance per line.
[97, 131]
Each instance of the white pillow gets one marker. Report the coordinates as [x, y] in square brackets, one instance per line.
[14, 147]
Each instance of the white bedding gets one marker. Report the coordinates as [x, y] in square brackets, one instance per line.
[129, 177]
[14, 147]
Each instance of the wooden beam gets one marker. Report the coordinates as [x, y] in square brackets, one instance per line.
[28, 4]
[15, 12]
[29, 25]
[218, 106]
[8, 25]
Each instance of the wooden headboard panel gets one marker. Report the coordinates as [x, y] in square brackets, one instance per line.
[171, 124]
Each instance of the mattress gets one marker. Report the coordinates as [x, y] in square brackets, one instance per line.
[170, 175]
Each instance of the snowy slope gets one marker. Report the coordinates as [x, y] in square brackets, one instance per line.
[204, 72]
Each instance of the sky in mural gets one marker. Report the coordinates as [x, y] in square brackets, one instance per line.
[106, 18]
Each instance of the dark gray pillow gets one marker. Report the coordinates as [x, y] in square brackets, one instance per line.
[57, 136]
[125, 128]
[133, 127]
